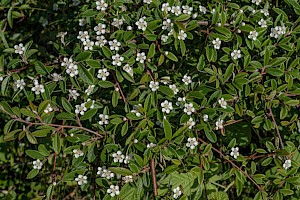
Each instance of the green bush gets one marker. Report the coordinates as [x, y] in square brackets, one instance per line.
[149, 100]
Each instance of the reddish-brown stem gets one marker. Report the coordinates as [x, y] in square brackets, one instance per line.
[57, 125]
[153, 173]
[149, 73]
[276, 128]
[233, 164]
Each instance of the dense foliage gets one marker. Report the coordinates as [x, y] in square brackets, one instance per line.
[149, 99]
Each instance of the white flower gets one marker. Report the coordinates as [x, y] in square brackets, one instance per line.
[151, 145]
[262, 23]
[113, 190]
[103, 119]
[101, 41]
[205, 117]
[219, 124]
[166, 107]
[177, 193]
[128, 69]
[19, 49]
[265, 12]
[105, 173]
[187, 9]
[19, 84]
[253, 35]
[202, 9]
[76, 2]
[100, 29]
[55, 7]
[235, 152]
[117, 22]
[141, 24]
[73, 94]
[222, 103]
[136, 110]
[43, 21]
[217, 43]
[127, 179]
[174, 88]
[48, 109]
[129, 28]
[165, 7]
[179, 100]
[277, 31]
[56, 77]
[38, 88]
[195, 15]
[192, 143]
[164, 38]
[141, 57]
[101, 5]
[135, 141]
[114, 45]
[287, 164]
[103, 74]
[147, 1]
[176, 10]
[117, 60]
[67, 62]
[127, 159]
[88, 45]
[182, 35]
[186, 79]
[189, 108]
[82, 22]
[191, 123]
[118, 157]
[236, 54]
[81, 179]
[154, 85]
[90, 89]
[72, 70]
[83, 35]
[167, 24]
[77, 153]
[213, 11]
[37, 164]
[171, 32]
[80, 109]
[257, 2]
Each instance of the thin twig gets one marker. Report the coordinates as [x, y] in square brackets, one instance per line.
[153, 173]
[276, 128]
[233, 164]
[149, 73]
[122, 95]
[57, 125]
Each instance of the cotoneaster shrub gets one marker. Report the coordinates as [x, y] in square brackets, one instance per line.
[149, 99]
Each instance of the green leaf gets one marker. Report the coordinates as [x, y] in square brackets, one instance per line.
[83, 56]
[10, 17]
[31, 138]
[171, 56]
[66, 105]
[166, 90]
[40, 68]
[151, 37]
[4, 85]
[93, 63]
[89, 114]
[275, 71]
[292, 102]
[32, 173]
[56, 143]
[183, 17]
[105, 84]
[115, 98]
[13, 62]
[85, 75]
[43, 150]
[89, 13]
[286, 192]
[124, 128]
[167, 129]
[107, 52]
[151, 51]
[35, 154]
[211, 136]
[120, 171]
